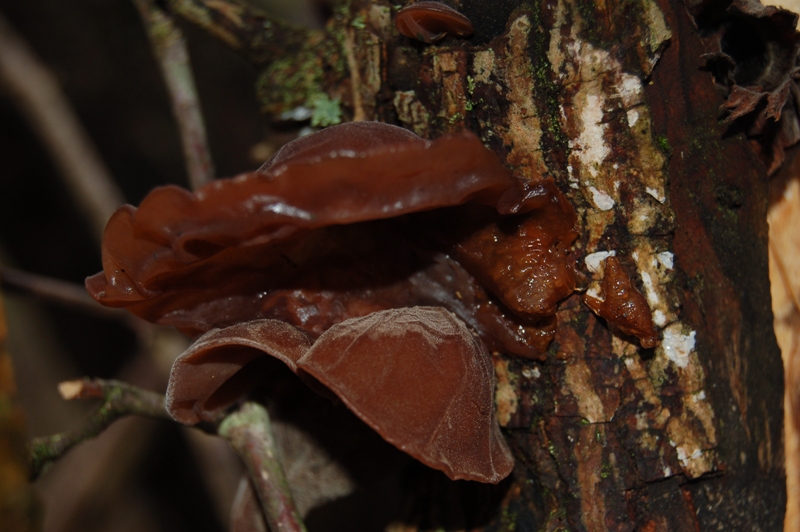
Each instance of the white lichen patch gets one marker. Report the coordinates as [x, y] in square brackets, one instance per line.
[678, 345]
[694, 460]
[642, 217]
[630, 90]
[657, 193]
[505, 396]
[698, 405]
[654, 281]
[666, 259]
[593, 260]
[591, 148]
[686, 456]
[658, 32]
[633, 117]
[531, 373]
[649, 289]
[595, 292]
[601, 199]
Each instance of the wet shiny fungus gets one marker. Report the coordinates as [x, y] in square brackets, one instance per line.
[360, 224]
[623, 306]
[432, 21]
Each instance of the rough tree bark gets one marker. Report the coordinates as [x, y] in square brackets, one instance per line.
[616, 102]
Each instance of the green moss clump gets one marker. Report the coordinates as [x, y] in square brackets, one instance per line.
[289, 83]
[663, 145]
[325, 111]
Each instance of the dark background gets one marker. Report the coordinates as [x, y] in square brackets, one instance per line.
[98, 51]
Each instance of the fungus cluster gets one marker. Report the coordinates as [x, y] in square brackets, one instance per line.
[378, 266]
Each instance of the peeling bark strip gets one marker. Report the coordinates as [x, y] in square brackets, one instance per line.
[612, 101]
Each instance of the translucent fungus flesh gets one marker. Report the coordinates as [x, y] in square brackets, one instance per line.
[623, 306]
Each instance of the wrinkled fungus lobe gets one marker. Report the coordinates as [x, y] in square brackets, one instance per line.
[623, 306]
[320, 244]
[373, 364]
[432, 21]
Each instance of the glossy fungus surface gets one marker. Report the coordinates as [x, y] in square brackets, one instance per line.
[524, 260]
[623, 306]
[432, 21]
[416, 375]
[330, 230]
[357, 256]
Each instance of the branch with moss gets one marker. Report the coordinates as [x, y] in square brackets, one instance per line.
[249, 431]
[170, 49]
[119, 400]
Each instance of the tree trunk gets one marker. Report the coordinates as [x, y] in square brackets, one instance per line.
[616, 102]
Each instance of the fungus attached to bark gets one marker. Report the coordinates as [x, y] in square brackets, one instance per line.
[623, 306]
[337, 236]
[288, 242]
[415, 375]
[432, 21]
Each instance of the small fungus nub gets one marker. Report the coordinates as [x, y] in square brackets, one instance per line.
[623, 306]
[431, 21]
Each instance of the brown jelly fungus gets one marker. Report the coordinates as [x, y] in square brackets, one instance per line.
[363, 247]
[432, 21]
[623, 306]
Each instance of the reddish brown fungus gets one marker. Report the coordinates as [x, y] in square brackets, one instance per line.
[431, 21]
[623, 306]
[415, 375]
[284, 242]
[524, 259]
[329, 236]
[206, 379]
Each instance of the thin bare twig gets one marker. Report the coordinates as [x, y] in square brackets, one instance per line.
[55, 290]
[119, 399]
[40, 99]
[261, 38]
[250, 432]
[172, 53]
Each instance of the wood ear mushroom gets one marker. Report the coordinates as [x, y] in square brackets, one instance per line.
[340, 235]
[431, 21]
[415, 375]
